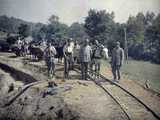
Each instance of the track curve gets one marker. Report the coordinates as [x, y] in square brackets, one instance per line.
[123, 98]
[116, 86]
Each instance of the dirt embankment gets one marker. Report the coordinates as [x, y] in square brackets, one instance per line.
[71, 100]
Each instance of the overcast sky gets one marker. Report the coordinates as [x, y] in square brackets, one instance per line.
[70, 11]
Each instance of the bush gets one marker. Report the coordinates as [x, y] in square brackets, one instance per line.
[11, 40]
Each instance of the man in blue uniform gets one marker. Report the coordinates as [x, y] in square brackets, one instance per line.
[117, 61]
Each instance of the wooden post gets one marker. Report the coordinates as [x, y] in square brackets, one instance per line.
[125, 45]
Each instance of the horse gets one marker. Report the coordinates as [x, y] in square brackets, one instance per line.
[36, 52]
[60, 54]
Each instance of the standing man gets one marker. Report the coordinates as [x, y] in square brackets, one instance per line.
[19, 43]
[68, 57]
[85, 58]
[117, 61]
[76, 52]
[19, 46]
[25, 47]
[97, 55]
[49, 54]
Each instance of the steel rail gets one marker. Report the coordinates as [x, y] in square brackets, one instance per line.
[106, 91]
[129, 93]
[19, 93]
[101, 76]
[17, 74]
[116, 101]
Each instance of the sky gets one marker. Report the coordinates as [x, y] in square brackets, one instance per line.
[70, 11]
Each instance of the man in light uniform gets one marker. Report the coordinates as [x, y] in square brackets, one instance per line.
[19, 46]
[68, 57]
[117, 61]
[49, 54]
[105, 52]
[19, 43]
[85, 59]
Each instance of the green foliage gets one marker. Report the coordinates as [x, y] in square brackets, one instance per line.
[11, 40]
[142, 32]
[77, 32]
[37, 33]
[153, 39]
[11, 24]
[54, 31]
[136, 28]
[23, 30]
[53, 19]
[100, 25]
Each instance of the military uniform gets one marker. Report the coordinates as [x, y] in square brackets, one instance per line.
[85, 58]
[116, 62]
[25, 49]
[76, 51]
[49, 54]
[105, 53]
[68, 59]
[92, 63]
[19, 44]
[97, 55]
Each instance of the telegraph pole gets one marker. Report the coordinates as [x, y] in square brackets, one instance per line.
[125, 45]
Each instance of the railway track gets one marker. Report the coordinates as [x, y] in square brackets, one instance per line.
[19, 75]
[129, 104]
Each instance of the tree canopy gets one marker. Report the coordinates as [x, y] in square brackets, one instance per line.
[142, 31]
[100, 25]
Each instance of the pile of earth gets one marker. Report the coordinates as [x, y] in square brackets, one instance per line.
[33, 105]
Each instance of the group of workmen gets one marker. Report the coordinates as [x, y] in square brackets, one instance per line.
[22, 46]
[87, 56]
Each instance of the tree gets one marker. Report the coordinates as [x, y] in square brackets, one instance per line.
[11, 24]
[136, 29]
[36, 31]
[23, 30]
[11, 40]
[53, 19]
[100, 25]
[54, 31]
[77, 31]
[149, 18]
[153, 39]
